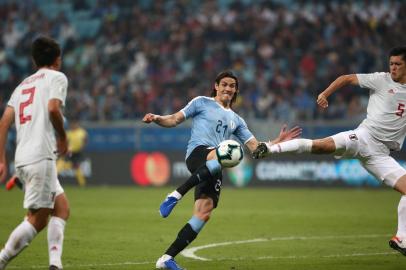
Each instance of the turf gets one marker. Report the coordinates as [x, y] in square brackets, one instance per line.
[120, 228]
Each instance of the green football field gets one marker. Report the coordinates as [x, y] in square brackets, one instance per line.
[306, 228]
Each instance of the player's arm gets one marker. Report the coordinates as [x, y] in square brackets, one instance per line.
[56, 118]
[5, 123]
[170, 120]
[334, 86]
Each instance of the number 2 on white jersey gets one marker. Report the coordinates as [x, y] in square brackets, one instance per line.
[25, 118]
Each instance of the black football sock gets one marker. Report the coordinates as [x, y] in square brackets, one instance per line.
[202, 174]
[185, 236]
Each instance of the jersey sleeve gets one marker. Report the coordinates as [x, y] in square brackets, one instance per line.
[59, 88]
[370, 80]
[12, 101]
[192, 108]
[242, 132]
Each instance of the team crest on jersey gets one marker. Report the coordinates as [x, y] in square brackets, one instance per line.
[232, 125]
[353, 137]
[390, 91]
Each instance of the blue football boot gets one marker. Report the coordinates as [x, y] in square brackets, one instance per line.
[171, 264]
[167, 206]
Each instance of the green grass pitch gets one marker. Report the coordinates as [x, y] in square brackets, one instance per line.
[306, 228]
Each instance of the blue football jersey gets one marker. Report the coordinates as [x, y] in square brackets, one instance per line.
[212, 123]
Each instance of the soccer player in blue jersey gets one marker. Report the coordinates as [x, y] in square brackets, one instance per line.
[213, 121]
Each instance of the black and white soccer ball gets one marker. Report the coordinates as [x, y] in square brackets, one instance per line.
[229, 153]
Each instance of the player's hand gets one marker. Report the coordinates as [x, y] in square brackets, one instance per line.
[62, 146]
[261, 151]
[149, 117]
[3, 171]
[322, 101]
[287, 135]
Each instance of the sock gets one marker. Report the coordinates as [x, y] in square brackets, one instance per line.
[292, 146]
[185, 236]
[202, 174]
[56, 228]
[19, 239]
[196, 223]
[402, 218]
[175, 194]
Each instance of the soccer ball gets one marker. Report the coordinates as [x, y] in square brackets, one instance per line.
[229, 153]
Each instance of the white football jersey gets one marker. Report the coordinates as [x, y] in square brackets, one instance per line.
[386, 116]
[35, 134]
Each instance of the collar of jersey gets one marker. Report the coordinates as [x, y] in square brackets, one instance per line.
[221, 106]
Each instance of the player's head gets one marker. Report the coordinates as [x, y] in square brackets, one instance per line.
[226, 87]
[397, 64]
[46, 52]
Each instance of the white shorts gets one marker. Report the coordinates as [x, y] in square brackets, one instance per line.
[373, 154]
[41, 184]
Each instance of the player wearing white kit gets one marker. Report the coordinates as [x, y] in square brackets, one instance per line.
[383, 131]
[35, 108]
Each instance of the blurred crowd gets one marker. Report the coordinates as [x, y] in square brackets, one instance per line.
[125, 58]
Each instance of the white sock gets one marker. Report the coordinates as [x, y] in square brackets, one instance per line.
[56, 228]
[402, 218]
[19, 239]
[166, 257]
[176, 194]
[292, 146]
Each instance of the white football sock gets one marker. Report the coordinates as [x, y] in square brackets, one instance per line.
[402, 218]
[176, 194]
[292, 146]
[56, 228]
[19, 239]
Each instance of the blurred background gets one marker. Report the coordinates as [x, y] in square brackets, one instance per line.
[126, 58]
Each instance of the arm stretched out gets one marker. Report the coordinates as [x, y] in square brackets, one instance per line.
[334, 86]
[171, 120]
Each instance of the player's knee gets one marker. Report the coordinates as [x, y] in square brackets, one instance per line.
[324, 146]
[400, 185]
[61, 208]
[63, 213]
[38, 220]
[205, 216]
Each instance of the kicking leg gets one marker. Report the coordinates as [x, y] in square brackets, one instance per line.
[297, 146]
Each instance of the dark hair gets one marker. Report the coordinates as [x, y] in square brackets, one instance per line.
[222, 75]
[398, 51]
[45, 51]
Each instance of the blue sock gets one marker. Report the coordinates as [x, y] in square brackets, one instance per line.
[214, 167]
[196, 223]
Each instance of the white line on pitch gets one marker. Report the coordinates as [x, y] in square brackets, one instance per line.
[74, 266]
[217, 259]
[190, 252]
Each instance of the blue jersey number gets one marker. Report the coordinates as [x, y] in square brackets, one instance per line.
[220, 126]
